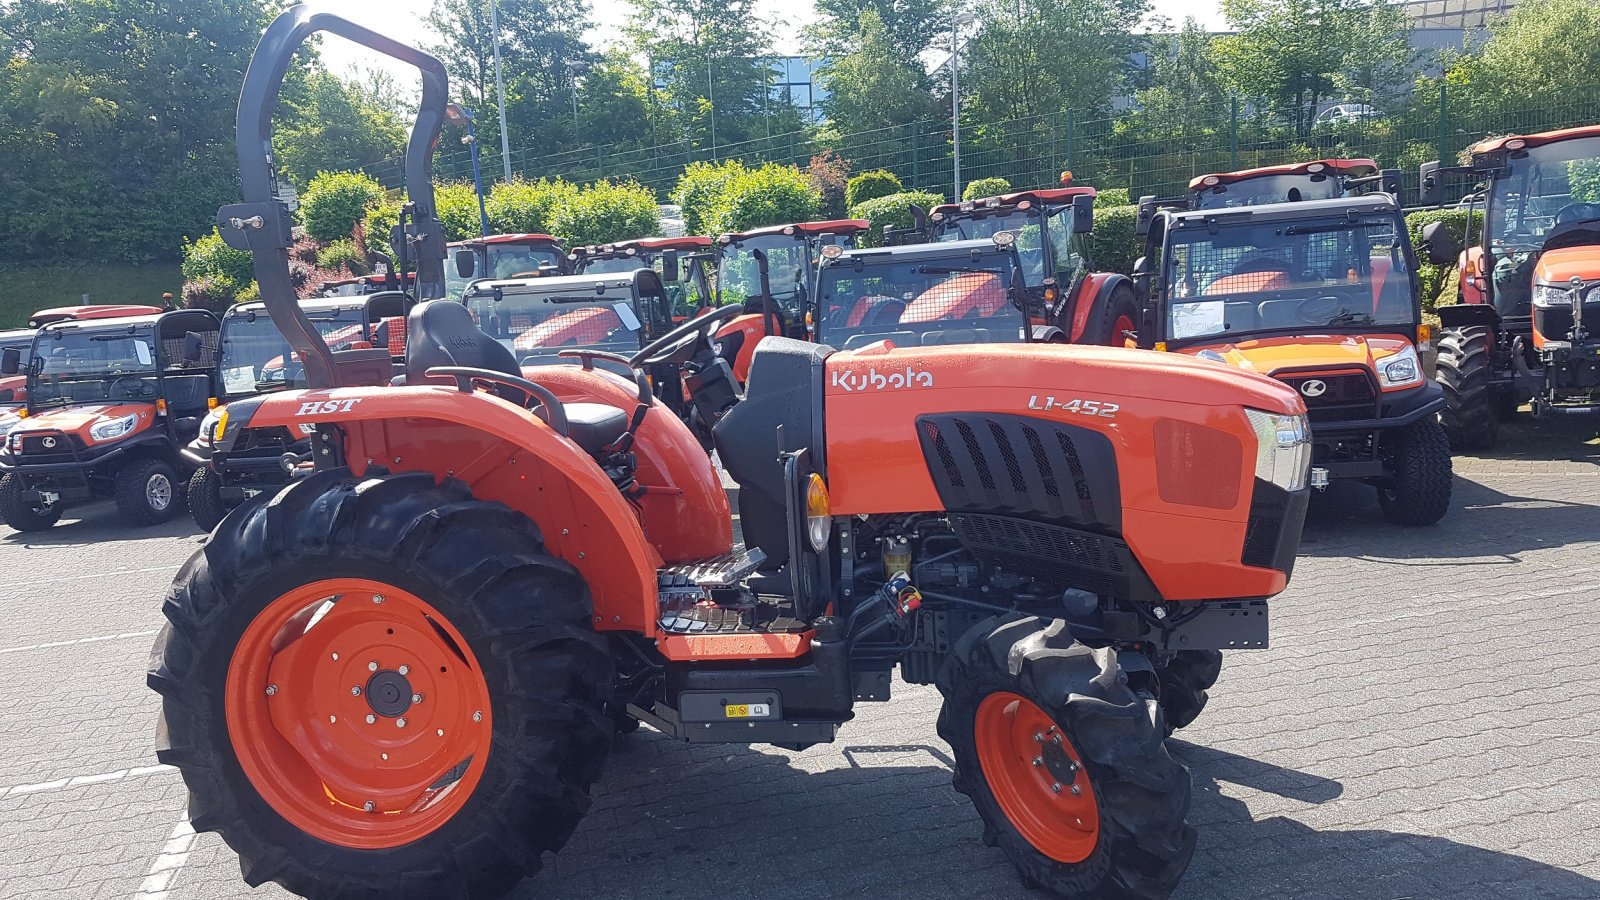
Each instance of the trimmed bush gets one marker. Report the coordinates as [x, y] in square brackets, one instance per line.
[700, 188]
[1108, 198]
[342, 255]
[830, 173]
[250, 293]
[527, 207]
[985, 187]
[871, 186]
[1434, 279]
[379, 224]
[891, 211]
[1115, 244]
[335, 201]
[458, 209]
[771, 195]
[604, 212]
[213, 292]
[210, 255]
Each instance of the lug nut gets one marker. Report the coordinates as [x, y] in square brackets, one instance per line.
[405, 670]
[416, 698]
[271, 689]
[371, 718]
[1056, 787]
[441, 732]
[384, 756]
[335, 657]
[1038, 760]
[1038, 738]
[332, 719]
[377, 598]
[477, 715]
[400, 722]
[1056, 740]
[369, 806]
[355, 691]
[1075, 790]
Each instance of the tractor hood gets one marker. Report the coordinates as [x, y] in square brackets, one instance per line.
[79, 419]
[1559, 267]
[1303, 352]
[581, 326]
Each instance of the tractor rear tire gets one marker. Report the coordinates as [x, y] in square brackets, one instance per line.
[146, 491]
[1184, 683]
[20, 514]
[1066, 764]
[205, 498]
[1108, 321]
[471, 591]
[1417, 491]
[1472, 409]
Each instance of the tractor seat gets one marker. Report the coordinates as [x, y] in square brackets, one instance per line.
[442, 333]
[595, 426]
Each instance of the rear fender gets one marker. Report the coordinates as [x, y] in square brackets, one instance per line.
[1093, 292]
[503, 453]
[1464, 315]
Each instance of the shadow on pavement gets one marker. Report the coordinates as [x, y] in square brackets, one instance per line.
[735, 822]
[98, 523]
[1568, 438]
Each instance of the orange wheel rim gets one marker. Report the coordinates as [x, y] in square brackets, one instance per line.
[1037, 777]
[1123, 326]
[358, 713]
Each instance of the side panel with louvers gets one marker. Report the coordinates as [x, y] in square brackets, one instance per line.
[1022, 466]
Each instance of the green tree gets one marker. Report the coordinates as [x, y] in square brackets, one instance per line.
[911, 25]
[1035, 57]
[1179, 101]
[1292, 55]
[614, 105]
[875, 85]
[332, 125]
[712, 58]
[1545, 50]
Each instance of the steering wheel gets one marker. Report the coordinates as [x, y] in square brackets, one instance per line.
[144, 390]
[677, 345]
[1578, 212]
[1312, 311]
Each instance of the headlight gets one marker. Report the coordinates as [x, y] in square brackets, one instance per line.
[1546, 295]
[1283, 448]
[206, 425]
[113, 428]
[819, 520]
[1400, 370]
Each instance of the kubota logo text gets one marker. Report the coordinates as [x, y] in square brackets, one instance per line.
[324, 407]
[874, 380]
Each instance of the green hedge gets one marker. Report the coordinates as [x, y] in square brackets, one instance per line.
[342, 255]
[1112, 197]
[870, 186]
[771, 195]
[211, 257]
[1437, 281]
[604, 212]
[893, 210]
[985, 187]
[457, 202]
[699, 188]
[1114, 244]
[335, 201]
[527, 207]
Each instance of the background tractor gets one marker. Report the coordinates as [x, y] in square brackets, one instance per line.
[1527, 324]
[1323, 179]
[402, 673]
[1322, 295]
[503, 256]
[685, 264]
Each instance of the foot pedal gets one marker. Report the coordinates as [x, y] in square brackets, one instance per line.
[719, 571]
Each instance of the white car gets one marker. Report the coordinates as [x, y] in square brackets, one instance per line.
[1340, 113]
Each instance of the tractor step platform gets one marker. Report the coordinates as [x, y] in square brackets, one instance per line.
[704, 598]
[718, 571]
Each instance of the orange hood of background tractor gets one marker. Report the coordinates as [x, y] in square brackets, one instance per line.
[581, 326]
[1559, 267]
[78, 419]
[1312, 351]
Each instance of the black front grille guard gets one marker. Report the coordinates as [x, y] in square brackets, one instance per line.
[261, 224]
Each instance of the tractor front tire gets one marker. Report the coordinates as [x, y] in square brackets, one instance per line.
[1066, 764]
[1472, 410]
[205, 498]
[1109, 320]
[1417, 489]
[1184, 682]
[20, 514]
[146, 491]
[328, 606]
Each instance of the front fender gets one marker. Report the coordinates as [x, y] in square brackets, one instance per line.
[503, 453]
[1093, 291]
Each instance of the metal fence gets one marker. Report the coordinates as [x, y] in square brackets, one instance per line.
[1125, 151]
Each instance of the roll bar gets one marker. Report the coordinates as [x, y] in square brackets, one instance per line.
[261, 224]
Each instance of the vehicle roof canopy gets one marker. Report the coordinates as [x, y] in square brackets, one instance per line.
[1040, 197]
[1497, 144]
[1354, 168]
[832, 226]
[94, 311]
[919, 252]
[1284, 212]
[556, 284]
[620, 248]
[521, 238]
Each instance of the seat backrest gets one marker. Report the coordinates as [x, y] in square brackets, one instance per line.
[442, 333]
[186, 393]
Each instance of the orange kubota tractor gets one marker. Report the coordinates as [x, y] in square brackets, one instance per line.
[400, 675]
[1051, 226]
[1526, 326]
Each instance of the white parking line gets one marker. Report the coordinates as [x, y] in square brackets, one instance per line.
[165, 867]
[18, 790]
[20, 584]
[88, 640]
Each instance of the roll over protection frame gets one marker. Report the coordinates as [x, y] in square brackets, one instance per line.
[261, 224]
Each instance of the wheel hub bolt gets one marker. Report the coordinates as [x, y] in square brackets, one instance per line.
[441, 732]
[384, 756]
[1056, 740]
[1038, 738]
[1038, 760]
[355, 691]
[400, 722]
[335, 657]
[332, 719]
[372, 666]
[1056, 787]
[377, 598]
[371, 718]
[416, 698]
[272, 689]
[405, 670]
[477, 715]
[1075, 790]
[369, 806]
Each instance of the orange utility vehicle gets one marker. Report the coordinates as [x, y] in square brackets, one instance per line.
[401, 674]
[14, 388]
[1322, 295]
[1527, 324]
[1052, 228]
[110, 402]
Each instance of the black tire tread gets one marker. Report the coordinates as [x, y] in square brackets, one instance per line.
[128, 489]
[1143, 793]
[20, 515]
[1184, 682]
[1418, 491]
[1472, 414]
[527, 614]
[1103, 318]
[205, 498]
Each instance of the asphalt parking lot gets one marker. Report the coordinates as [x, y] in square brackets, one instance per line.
[1425, 725]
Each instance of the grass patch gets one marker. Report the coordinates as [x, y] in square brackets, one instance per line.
[27, 289]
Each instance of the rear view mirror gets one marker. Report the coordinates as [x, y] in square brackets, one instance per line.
[669, 266]
[466, 263]
[1082, 214]
[192, 348]
[1440, 243]
[1430, 186]
[1141, 266]
[10, 361]
[1392, 182]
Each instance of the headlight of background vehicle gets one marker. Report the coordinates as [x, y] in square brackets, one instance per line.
[113, 428]
[207, 425]
[1546, 295]
[1283, 448]
[1400, 370]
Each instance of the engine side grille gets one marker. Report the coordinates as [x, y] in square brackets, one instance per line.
[1345, 396]
[1094, 562]
[1017, 465]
